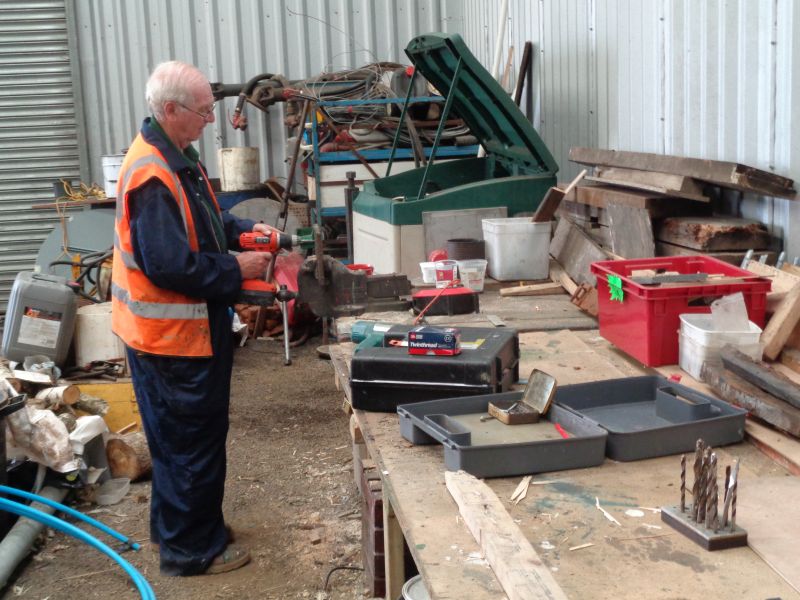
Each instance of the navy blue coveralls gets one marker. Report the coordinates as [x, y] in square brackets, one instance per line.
[184, 401]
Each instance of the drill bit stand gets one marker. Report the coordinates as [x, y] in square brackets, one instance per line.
[702, 522]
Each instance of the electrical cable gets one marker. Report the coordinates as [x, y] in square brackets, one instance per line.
[28, 512]
[339, 568]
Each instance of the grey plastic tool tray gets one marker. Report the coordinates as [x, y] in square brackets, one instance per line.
[651, 416]
[454, 422]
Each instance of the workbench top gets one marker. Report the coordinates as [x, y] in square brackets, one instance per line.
[589, 556]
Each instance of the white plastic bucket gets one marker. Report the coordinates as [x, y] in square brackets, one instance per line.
[517, 248]
[238, 169]
[111, 166]
[699, 343]
[428, 270]
[446, 271]
[414, 589]
[472, 273]
[94, 339]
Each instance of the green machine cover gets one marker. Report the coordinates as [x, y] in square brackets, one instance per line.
[516, 171]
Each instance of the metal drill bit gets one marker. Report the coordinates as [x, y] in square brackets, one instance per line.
[683, 483]
[698, 462]
[710, 481]
[731, 478]
[702, 487]
[734, 487]
[727, 480]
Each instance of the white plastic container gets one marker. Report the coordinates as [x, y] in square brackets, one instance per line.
[428, 270]
[111, 166]
[472, 273]
[94, 339]
[446, 271]
[699, 343]
[238, 169]
[517, 248]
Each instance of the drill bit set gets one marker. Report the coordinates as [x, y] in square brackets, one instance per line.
[702, 521]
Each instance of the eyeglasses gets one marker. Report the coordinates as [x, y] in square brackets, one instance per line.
[204, 115]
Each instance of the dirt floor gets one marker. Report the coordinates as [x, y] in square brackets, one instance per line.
[290, 497]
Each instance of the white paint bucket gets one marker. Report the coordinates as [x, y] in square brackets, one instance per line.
[238, 169]
[111, 166]
[472, 273]
[94, 339]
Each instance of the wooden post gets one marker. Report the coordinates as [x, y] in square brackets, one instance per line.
[394, 544]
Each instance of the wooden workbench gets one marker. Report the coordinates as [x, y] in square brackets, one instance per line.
[640, 558]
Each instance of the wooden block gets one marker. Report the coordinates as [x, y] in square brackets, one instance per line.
[713, 234]
[791, 358]
[657, 205]
[585, 298]
[736, 390]
[782, 323]
[548, 206]
[733, 257]
[761, 375]
[516, 564]
[631, 231]
[574, 251]
[537, 289]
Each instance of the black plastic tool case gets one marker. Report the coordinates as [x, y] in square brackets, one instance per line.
[492, 449]
[651, 416]
[383, 378]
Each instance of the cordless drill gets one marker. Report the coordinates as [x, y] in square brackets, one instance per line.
[259, 291]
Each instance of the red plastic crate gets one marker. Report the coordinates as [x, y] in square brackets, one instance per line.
[646, 323]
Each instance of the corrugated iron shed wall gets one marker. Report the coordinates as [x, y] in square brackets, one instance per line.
[718, 79]
[38, 131]
[119, 42]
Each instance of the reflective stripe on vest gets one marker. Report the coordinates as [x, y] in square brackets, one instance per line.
[160, 310]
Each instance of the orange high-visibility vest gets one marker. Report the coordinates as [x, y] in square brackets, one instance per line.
[146, 317]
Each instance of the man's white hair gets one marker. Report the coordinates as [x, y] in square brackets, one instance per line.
[172, 80]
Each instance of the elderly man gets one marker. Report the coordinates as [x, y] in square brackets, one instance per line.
[173, 284]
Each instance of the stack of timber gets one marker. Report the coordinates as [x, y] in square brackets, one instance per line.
[637, 205]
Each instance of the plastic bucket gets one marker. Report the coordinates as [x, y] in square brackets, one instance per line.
[111, 166]
[94, 339]
[428, 270]
[473, 273]
[517, 248]
[446, 271]
[238, 169]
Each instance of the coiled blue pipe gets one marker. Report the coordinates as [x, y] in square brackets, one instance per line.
[71, 512]
[138, 579]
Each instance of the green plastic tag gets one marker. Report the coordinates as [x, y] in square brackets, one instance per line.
[615, 288]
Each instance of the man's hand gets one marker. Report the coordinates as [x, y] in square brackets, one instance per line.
[263, 228]
[253, 265]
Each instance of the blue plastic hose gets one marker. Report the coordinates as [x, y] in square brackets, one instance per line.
[71, 512]
[138, 579]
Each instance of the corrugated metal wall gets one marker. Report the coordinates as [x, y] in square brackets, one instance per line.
[717, 79]
[38, 131]
[119, 42]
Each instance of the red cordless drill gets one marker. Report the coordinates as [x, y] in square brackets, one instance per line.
[259, 291]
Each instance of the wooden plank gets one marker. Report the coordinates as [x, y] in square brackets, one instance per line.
[732, 388]
[761, 375]
[650, 188]
[564, 356]
[516, 564]
[726, 174]
[669, 181]
[548, 206]
[657, 205]
[536, 289]
[631, 231]
[574, 251]
[558, 275]
[393, 543]
[713, 234]
[770, 512]
[733, 257]
[782, 323]
[782, 281]
[790, 357]
[778, 446]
